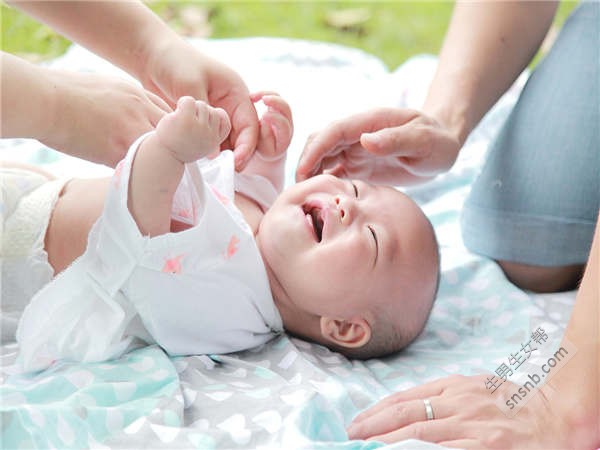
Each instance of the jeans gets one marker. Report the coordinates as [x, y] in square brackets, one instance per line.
[537, 197]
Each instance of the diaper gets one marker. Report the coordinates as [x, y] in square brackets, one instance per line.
[26, 203]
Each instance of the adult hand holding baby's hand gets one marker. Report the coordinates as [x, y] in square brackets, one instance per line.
[384, 145]
[97, 117]
[175, 69]
[194, 130]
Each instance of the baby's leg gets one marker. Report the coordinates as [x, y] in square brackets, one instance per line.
[192, 131]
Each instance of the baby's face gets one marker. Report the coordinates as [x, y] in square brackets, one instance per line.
[334, 246]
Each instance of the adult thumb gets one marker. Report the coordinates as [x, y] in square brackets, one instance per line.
[397, 141]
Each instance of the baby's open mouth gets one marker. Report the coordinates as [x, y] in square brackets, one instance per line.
[315, 218]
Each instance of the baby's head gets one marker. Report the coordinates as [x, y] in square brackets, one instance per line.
[351, 265]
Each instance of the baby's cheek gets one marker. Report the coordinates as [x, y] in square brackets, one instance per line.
[337, 262]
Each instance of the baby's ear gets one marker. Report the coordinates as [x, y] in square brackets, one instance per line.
[352, 333]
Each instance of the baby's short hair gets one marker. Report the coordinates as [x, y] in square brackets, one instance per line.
[386, 338]
[388, 335]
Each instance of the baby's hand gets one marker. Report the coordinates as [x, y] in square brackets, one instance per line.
[194, 130]
[276, 126]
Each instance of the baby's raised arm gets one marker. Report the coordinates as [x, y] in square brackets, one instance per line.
[192, 131]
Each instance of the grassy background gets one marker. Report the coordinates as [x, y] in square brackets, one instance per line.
[391, 30]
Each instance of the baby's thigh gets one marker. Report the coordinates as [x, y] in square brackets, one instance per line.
[537, 197]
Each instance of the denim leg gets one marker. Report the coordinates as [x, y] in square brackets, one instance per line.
[537, 198]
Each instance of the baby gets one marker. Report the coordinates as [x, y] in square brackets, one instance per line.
[180, 250]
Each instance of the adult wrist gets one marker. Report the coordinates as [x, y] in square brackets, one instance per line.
[48, 127]
[151, 70]
[453, 118]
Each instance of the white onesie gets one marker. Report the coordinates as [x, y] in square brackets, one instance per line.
[199, 291]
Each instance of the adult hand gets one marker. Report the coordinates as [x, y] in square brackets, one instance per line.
[142, 44]
[465, 416]
[178, 69]
[97, 117]
[87, 115]
[384, 145]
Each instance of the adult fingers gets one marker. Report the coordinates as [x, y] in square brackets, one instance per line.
[219, 121]
[396, 416]
[244, 131]
[466, 444]
[152, 106]
[333, 165]
[429, 431]
[154, 89]
[338, 171]
[428, 390]
[407, 141]
[386, 420]
[159, 102]
[327, 142]
[346, 132]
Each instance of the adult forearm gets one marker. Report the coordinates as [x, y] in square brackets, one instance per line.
[487, 45]
[126, 33]
[26, 98]
[577, 383]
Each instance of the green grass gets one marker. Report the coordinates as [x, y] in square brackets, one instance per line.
[394, 30]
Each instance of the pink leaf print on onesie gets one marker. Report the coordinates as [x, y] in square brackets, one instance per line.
[117, 174]
[232, 247]
[222, 198]
[173, 265]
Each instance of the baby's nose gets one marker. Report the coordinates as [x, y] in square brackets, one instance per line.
[345, 209]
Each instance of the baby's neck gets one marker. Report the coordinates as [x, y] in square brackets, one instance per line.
[251, 210]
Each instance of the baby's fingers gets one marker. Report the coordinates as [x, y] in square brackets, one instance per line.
[280, 128]
[273, 101]
[256, 96]
[186, 105]
[278, 104]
